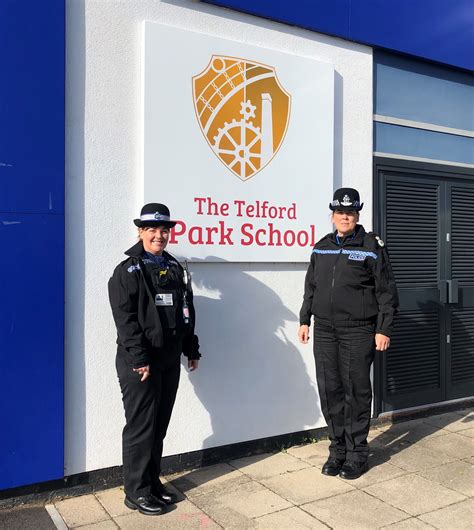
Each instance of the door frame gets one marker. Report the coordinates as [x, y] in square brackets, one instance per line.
[427, 169]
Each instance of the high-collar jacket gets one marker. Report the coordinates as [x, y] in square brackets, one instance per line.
[349, 282]
[139, 329]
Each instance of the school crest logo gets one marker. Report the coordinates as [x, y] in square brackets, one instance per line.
[243, 112]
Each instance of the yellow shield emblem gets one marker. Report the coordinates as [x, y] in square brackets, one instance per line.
[243, 112]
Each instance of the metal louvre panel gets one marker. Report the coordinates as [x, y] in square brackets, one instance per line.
[412, 222]
[413, 360]
[462, 243]
[462, 345]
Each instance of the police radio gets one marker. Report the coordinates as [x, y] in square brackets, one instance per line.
[188, 288]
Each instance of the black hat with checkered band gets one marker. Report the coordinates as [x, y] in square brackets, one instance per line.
[346, 199]
[154, 214]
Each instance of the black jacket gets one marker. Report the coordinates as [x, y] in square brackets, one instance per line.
[139, 328]
[350, 283]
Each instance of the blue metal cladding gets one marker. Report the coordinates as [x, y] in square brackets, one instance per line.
[438, 30]
[407, 141]
[31, 350]
[32, 106]
[32, 241]
[424, 92]
[428, 93]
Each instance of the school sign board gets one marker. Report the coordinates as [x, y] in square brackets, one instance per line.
[238, 142]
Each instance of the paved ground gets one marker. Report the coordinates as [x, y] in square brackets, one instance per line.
[421, 477]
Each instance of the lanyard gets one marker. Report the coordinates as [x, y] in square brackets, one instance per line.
[339, 241]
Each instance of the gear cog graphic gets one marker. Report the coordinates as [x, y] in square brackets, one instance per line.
[247, 110]
[237, 144]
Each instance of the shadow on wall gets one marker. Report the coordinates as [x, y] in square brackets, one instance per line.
[258, 384]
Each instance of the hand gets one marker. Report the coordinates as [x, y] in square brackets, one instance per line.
[193, 364]
[303, 334]
[382, 342]
[144, 371]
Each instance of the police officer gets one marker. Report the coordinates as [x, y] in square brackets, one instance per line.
[350, 291]
[152, 304]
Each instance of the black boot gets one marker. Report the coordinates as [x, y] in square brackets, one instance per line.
[164, 494]
[147, 505]
[352, 470]
[332, 466]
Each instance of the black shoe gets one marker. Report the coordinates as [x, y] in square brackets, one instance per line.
[164, 495]
[332, 466]
[353, 470]
[147, 505]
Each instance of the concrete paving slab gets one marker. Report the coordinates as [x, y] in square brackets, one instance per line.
[289, 518]
[452, 421]
[409, 524]
[237, 508]
[306, 485]
[416, 458]
[112, 501]
[344, 511]
[453, 444]
[315, 453]
[184, 516]
[206, 479]
[467, 432]
[81, 511]
[268, 465]
[103, 525]
[413, 494]
[458, 476]
[457, 516]
[411, 431]
[378, 472]
[382, 448]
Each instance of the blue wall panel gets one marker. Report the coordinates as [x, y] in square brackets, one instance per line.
[439, 30]
[32, 106]
[32, 241]
[32, 338]
[421, 143]
[423, 92]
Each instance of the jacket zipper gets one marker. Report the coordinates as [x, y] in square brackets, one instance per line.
[332, 283]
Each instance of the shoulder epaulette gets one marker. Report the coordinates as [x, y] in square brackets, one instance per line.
[377, 238]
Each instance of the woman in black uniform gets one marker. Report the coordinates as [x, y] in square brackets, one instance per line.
[350, 291]
[152, 304]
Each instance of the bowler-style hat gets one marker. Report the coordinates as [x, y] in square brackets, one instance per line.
[346, 199]
[154, 214]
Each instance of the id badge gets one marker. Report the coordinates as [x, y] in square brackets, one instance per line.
[164, 299]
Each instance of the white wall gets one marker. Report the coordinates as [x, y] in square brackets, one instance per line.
[255, 380]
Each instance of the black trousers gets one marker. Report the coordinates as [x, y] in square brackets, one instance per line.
[343, 357]
[148, 406]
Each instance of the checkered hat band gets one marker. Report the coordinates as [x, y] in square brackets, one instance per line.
[356, 204]
[154, 217]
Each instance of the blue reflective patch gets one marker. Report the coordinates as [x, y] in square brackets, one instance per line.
[133, 268]
[319, 251]
[359, 255]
